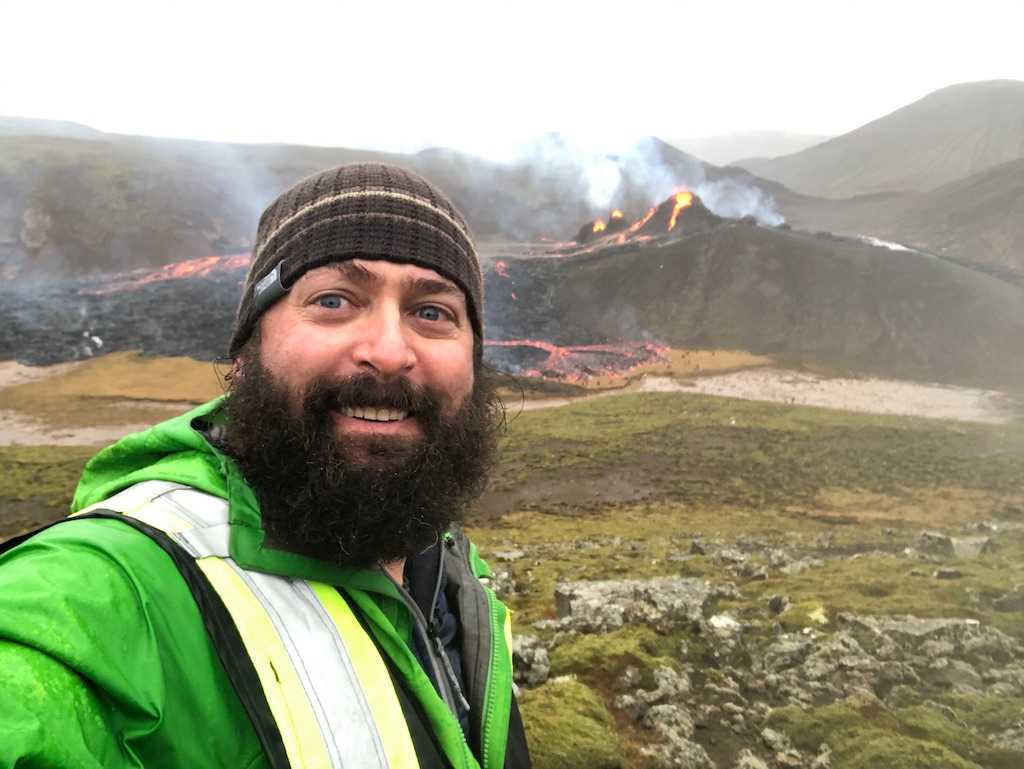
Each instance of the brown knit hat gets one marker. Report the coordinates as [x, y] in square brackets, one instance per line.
[357, 211]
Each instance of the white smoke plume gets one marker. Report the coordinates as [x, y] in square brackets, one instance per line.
[649, 170]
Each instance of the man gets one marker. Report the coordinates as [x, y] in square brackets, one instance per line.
[273, 579]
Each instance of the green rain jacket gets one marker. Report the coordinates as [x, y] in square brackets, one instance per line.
[104, 658]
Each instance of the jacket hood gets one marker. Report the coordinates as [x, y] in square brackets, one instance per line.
[170, 451]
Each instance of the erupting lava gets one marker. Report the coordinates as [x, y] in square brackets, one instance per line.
[682, 214]
[683, 200]
[580, 362]
[640, 222]
[192, 268]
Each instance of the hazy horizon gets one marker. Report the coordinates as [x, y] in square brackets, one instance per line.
[461, 76]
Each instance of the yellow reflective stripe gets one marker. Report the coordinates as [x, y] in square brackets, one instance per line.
[160, 517]
[373, 678]
[285, 695]
[508, 634]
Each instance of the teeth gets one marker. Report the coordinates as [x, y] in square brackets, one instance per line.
[375, 415]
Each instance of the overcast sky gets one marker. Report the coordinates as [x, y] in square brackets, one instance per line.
[485, 77]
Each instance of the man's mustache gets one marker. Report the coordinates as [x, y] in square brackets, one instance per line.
[369, 391]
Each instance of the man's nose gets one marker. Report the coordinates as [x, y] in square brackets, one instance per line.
[383, 346]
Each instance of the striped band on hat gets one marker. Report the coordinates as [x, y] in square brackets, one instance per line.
[358, 211]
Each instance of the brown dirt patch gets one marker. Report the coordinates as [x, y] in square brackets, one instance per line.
[116, 389]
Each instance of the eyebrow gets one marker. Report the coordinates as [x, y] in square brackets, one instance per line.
[364, 277]
[355, 272]
[433, 286]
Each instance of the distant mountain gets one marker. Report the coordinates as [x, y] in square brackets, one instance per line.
[948, 135]
[27, 126]
[739, 148]
[979, 219]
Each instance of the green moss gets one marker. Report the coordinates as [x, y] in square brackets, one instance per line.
[601, 658]
[872, 749]
[883, 586]
[44, 473]
[864, 734]
[36, 484]
[568, 726]
[986, 714]
[809, 613]
[750, 453]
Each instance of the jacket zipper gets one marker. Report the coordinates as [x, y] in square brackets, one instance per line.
[486, 728]
[444, 674]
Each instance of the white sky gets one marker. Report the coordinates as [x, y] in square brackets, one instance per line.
[484, 77]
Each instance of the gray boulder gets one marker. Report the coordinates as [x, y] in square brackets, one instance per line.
[530, 662]
[664, 603]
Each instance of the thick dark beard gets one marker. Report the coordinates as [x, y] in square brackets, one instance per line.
[358, 501]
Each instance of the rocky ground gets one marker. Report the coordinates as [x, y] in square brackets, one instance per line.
[731, 669]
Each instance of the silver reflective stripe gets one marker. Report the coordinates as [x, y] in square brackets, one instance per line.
[315, 647]
[324, 666]
[135, 497]
[203, 543]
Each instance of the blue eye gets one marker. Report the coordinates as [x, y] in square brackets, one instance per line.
[331, 301]
[430, 313]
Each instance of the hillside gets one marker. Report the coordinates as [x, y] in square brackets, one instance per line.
[739, 148]
[787, 294]
[979, 219]
[73, 206]
[26, 126]
[948, 135]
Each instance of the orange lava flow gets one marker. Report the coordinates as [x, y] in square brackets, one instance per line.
[640, 222]
[683, 199]
[599, 226]
[560, 361]
[616, 214]
[192, 268]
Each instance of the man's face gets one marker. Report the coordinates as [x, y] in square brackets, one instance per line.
[387, 320]
[357, 416]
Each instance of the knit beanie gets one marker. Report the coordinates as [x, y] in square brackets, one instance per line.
[357, 211]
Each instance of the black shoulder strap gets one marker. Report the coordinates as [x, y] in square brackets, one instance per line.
[517, 752]
[219, 626]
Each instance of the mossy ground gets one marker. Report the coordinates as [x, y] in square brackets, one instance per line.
[618, 487]
[36, 483]
[813, 482]
[568, 726]
[863, 733]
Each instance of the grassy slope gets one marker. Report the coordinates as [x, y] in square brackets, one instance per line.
[115, 389]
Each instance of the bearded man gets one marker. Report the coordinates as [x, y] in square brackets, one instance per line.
[275, 579]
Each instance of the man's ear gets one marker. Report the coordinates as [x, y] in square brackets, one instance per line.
[248, 350]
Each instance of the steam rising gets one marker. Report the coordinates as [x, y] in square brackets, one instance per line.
[644, 173]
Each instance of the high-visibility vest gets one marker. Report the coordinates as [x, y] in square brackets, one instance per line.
[328, 689]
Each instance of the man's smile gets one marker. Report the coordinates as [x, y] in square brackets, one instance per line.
[375, 414]
[376, 421]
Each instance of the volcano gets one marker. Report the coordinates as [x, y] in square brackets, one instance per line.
[679, 276]
[680, 214]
